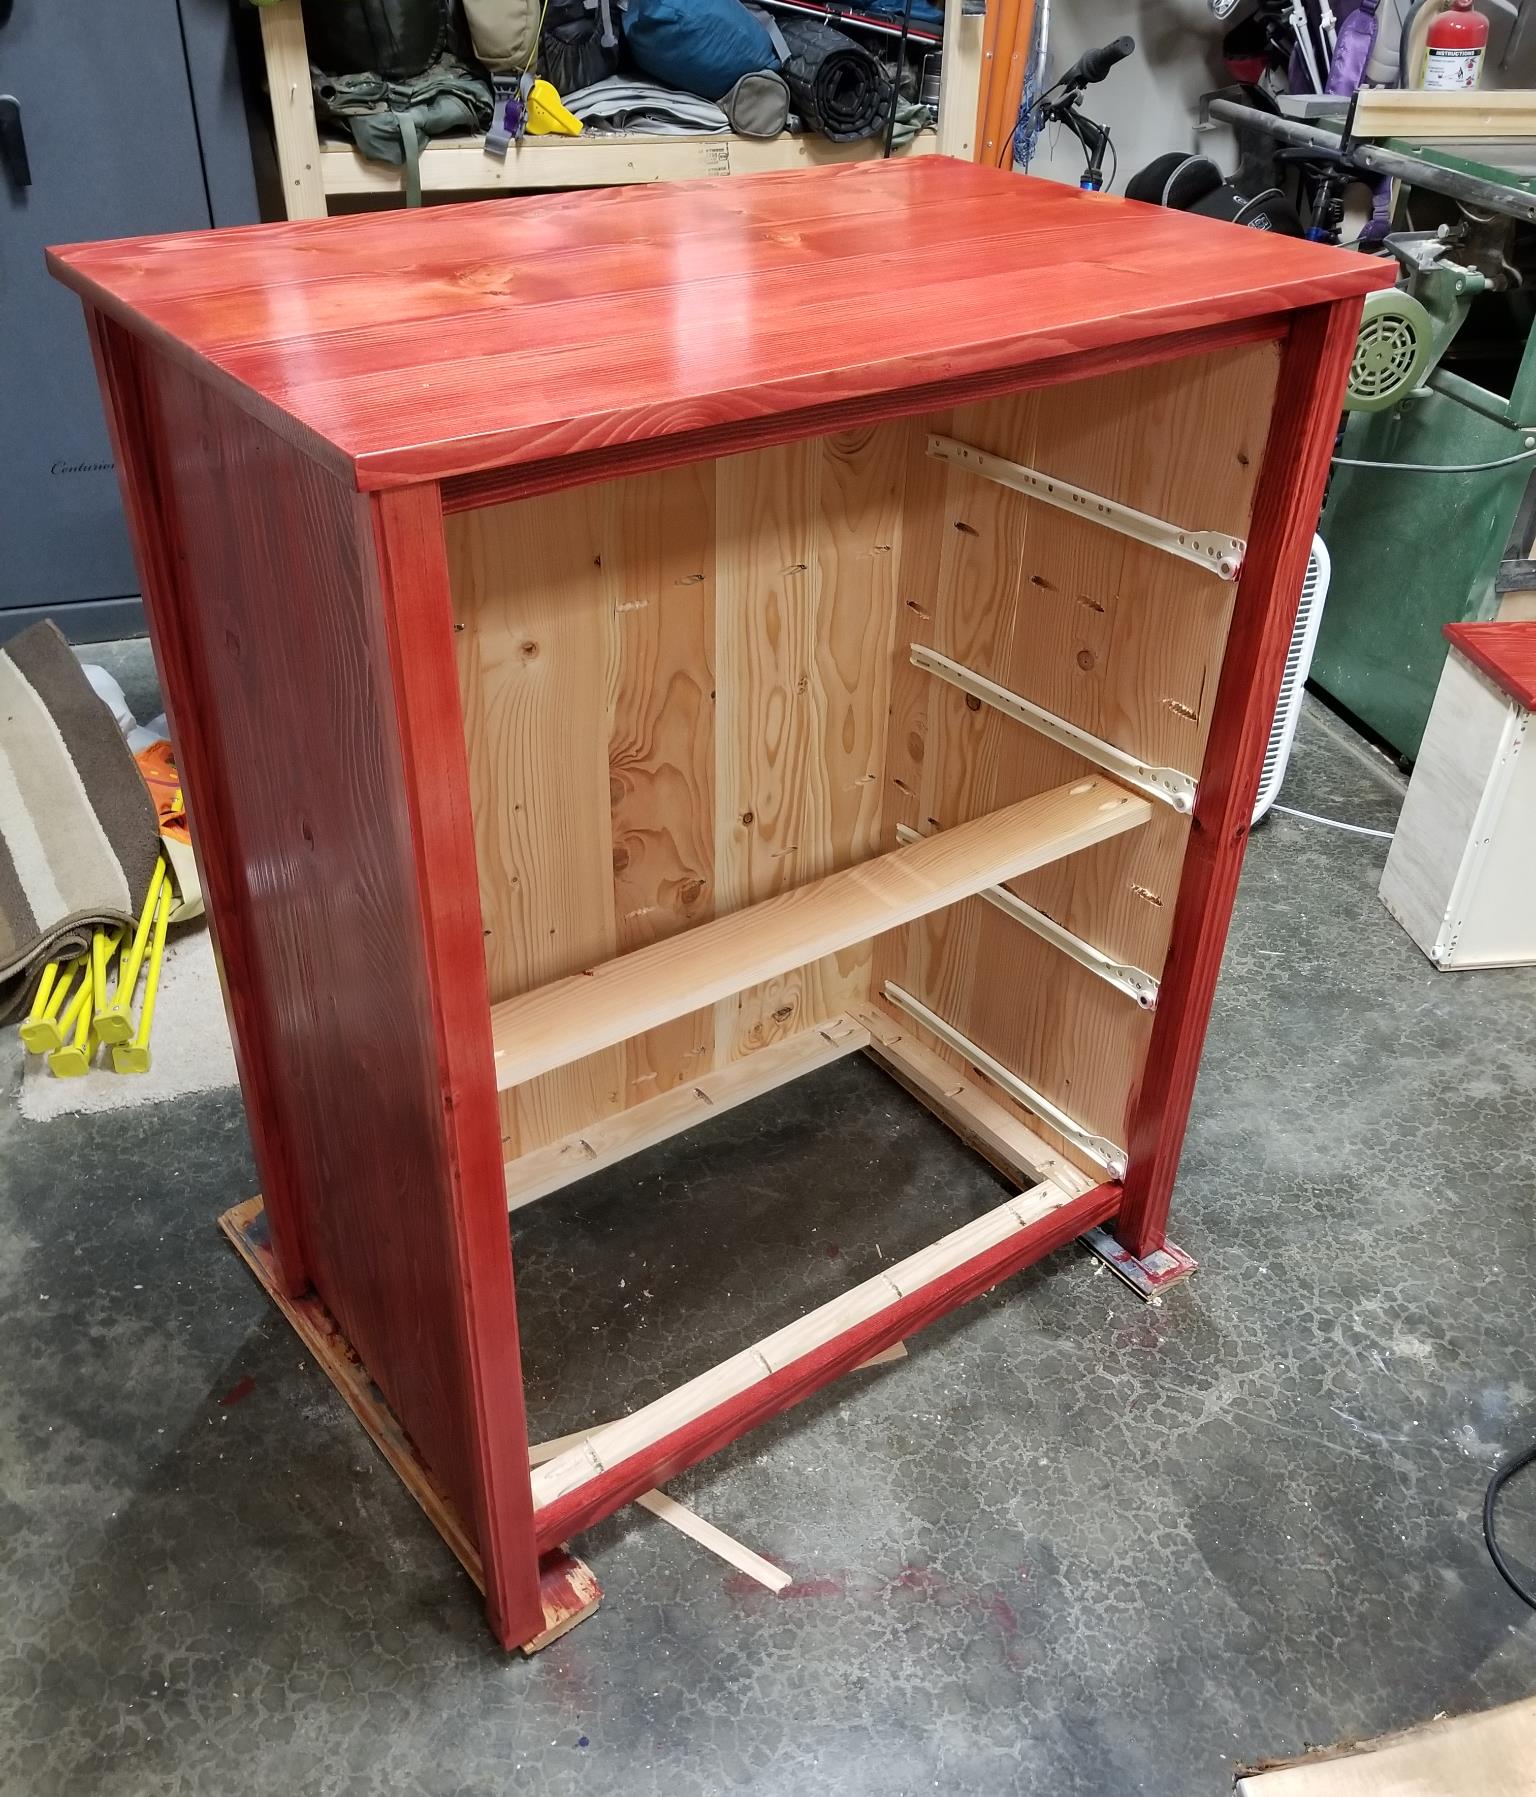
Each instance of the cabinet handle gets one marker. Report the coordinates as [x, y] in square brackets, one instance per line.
[13, 142]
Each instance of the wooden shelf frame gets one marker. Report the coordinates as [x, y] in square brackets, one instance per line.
[574, 1017]
[314, 170]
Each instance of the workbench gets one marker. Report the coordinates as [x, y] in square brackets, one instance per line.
[626, 650]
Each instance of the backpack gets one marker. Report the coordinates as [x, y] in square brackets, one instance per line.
[395, 39]
[580, 44]
[505, 33]
[701, 46]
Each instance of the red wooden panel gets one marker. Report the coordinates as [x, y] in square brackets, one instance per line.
[1310, 389]
[308, 707]
[1506, 653]
[600, 1497]
[413, 347]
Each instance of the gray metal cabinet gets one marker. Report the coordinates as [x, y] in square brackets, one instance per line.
[132, 122]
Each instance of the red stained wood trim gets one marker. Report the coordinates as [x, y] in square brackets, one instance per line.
[1506, 653]
[280, 672]
[419, 348]
[567, 1590]
[246, 1226]
[522, 480]
[1310, 390]
[206, 773]
[417, 610]
[603, 1495]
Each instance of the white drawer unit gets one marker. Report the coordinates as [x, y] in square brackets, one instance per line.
[1461, 874]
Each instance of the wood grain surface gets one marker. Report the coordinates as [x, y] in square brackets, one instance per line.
[1109, 633]
[1506, 653]
[410, 346]
[674, 698]
[283, 663]
[567, 1019]
[1309, 391]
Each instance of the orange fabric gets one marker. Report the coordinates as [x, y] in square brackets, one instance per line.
[157, 764]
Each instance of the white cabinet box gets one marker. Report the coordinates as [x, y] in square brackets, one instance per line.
[1461, 874]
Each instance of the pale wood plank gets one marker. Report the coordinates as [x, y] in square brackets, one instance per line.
[575, 1017]
[1492, 1754]
[970, 1105]
[295, 134]
[659, 575]
[534, 636]
[767, 581]
[1428, 115]
[615, 1138]
[537, 164]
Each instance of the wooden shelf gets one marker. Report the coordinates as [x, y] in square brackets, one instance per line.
[314, 170]
[570, 1018]
[460, 165]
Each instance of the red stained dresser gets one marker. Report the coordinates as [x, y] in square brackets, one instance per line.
[627, 649]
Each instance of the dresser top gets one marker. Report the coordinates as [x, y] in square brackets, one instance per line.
[1505, 652]
[424, 345]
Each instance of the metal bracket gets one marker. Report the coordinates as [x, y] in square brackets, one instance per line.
[1163, 1266]
[1214, 551]
[1170, 785]
[1098, 1148]
[1132, 981]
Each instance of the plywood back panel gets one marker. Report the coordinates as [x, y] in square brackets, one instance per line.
[1115, 636]
[676, 690]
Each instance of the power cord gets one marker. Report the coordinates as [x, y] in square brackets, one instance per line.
[1495, 1485]
[901, 63]
[1505, 461]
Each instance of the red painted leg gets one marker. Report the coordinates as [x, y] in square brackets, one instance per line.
[1313, 367]
[568, 1593]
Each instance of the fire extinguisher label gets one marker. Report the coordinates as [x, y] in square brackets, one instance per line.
[1453, 68]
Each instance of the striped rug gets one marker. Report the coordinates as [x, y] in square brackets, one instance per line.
[77, 828]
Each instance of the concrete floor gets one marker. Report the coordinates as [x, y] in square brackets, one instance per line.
[1073, 1545]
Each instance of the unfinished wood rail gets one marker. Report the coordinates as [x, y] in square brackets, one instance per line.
[569, 1018]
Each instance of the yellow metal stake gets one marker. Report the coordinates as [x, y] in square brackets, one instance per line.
[114, 1018]
[133, 1057]
[73, 1058]
[39, 1032]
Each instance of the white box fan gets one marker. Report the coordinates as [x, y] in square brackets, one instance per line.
[1298, 664]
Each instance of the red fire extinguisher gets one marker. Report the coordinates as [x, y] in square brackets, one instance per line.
[1456, 42]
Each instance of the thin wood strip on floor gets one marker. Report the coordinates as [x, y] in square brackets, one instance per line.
[689, 1522]
[1491, 1754]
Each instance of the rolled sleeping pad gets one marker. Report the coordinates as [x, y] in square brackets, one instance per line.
[837, 86]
